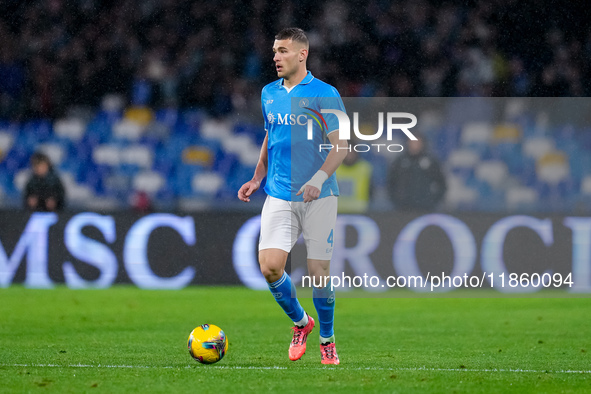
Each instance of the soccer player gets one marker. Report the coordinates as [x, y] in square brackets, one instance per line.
[301, 186]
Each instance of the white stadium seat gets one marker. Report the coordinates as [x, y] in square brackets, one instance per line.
[521, 196]
[106, 154]
[215, 129]
[463, 158]
[128, 129]
[148, 181]
[6, 142]
[553, 173]
[72, 129]
[139, 155]
[21, 178]
[586, 185]
[537, 147]
[460, 195]
[207, 183]
[493, 172]
[476, 133]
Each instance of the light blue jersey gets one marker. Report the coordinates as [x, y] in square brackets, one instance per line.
[292, 158]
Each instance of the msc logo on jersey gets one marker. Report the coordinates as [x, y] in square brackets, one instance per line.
[269, 101]
[287, 119]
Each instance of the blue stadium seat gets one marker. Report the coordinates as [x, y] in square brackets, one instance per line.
[117, 185]
[380, 168]
[192, 118]
[446, 141]
[40, 128]
[182, 178]
[18, 157]
[98, 131]
[168, 116]
[584, 138]
[110, 117]
[565, 138]
[240, 174]
[75, 167]
[256, 131]
[225, 163]
[93, 178]
[163, 163]
[7, 185]
[511, 155]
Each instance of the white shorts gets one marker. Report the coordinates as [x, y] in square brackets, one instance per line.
[282, 222]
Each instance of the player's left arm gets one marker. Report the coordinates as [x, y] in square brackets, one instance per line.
[335, 157]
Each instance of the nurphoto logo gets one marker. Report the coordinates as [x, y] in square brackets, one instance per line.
[345, 129]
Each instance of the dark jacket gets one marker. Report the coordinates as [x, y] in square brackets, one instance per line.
[416, 182]
[44, 188]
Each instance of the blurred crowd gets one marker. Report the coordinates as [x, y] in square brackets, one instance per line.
[217, 55]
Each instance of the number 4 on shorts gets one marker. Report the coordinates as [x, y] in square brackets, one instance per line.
[329, 239]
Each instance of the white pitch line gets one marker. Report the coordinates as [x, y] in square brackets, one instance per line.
[237, 367]
[129, 366]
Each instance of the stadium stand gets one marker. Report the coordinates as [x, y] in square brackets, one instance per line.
[167, 101]
[200, 161]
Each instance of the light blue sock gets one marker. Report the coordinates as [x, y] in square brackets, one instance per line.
[324, 303]
[285, 294]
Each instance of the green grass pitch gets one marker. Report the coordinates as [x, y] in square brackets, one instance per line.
[128, 340]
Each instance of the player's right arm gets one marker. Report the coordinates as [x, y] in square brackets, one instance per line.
[260, 173]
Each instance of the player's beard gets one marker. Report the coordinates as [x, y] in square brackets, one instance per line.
[285, 72]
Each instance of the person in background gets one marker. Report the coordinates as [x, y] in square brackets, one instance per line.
[415, 179]
[141, 202]
[44, 190]
[354, 179]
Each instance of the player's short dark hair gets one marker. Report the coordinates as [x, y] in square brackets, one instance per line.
[38, 158]
[294, 34]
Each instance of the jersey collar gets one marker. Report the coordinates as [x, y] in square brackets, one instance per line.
[307, 79]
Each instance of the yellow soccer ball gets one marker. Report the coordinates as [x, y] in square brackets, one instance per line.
[207, 344]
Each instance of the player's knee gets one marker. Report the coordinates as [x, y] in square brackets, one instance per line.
[271, 273]
[319, 270]
[271, 269]
[272, 264]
